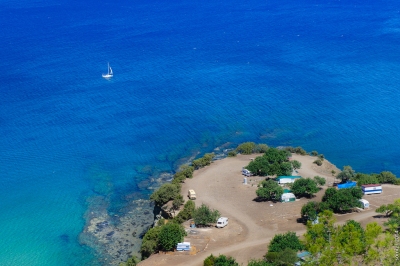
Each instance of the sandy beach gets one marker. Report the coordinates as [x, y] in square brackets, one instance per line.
[251, 224]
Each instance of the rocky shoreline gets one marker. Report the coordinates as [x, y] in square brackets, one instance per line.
[116, 237]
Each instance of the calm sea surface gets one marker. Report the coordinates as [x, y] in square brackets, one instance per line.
[189, 77]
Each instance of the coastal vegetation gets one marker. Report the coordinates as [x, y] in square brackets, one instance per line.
[304, 187]
[203, 161]
[221, 260]
[272, 162]
[269, 190]
[204, 216]
[392, 211]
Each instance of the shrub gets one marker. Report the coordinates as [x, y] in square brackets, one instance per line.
[287, 240]
[203, 161]
[300, 150]
[186, 213]
[170, 235]
[246, 148]
[269, 190]
[314, 153]
[304, 187]
[232, 153]
[203, 215]
[261, 148]
[150, 242]
[165, 193]
[318, 162]
[321, 156]
[320, 180]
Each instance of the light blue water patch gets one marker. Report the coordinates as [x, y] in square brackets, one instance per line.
[189, 77]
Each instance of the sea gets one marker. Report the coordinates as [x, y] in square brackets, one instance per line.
[190, 77]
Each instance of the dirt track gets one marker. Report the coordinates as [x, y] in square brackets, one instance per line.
[251, 224]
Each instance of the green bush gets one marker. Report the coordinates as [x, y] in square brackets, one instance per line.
[232, 153]
[209, 261]
[320, 180]
[170, 235]
[287, 240]
[166, 193]
[261, 148]
[246, 148]
[304, 187]
[269, 190]
[186, 213]
[203, 215]
[318, 162]
[314, 153]
[203, 161]
[150, 242]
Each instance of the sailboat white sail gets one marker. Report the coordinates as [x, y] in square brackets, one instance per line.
[109, 73]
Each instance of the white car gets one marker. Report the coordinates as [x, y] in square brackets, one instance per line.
[222, 222]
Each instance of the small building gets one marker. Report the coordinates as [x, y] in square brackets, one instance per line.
[348, 184]
[364, 203]
[287, 179]
[372, 189]
[184, 246]
[287, 197]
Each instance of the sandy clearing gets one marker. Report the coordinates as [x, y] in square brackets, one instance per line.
[252, 224]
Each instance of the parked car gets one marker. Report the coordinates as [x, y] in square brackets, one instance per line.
[191, 194]
[222, 222]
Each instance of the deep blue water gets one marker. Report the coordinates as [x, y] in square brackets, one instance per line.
[189, 76]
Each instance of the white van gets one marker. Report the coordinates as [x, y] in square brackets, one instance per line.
[246, 172]
[222, 222]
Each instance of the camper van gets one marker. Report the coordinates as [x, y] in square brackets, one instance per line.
[222, 222]
[246, 172]
[191, 194]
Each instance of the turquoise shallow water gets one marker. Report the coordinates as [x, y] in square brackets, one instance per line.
[189, 77]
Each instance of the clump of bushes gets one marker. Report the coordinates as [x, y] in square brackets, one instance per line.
[297, 150]
[246, 148]
[232, 153]
[203, 161]
[318, 162]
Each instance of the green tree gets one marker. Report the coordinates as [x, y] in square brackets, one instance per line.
[209, 261]
[342, 200]
[150, 242]
[364, 179]
[273, 162]
[203, 215]
[170, 235]
[165, 193]
[246, 148]
[287, 240]
[286, 257]
[304, 187]
[319, 180]
[259, 262]
[387, 177]
[261, 148]
[223, 260]
[347, 174]
[310, 210]
[296, 164]
[269, 190]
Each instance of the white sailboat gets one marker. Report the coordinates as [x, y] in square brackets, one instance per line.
[109, 73]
